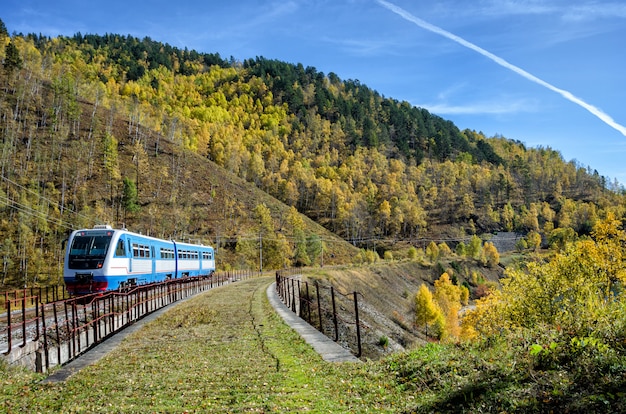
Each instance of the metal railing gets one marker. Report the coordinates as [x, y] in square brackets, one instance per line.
[61, 330]
[333, 313]
[44, 294]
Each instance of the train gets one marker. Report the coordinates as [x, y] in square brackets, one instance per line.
[102, 259]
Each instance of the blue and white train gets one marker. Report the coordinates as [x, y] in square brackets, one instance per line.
[104, 258]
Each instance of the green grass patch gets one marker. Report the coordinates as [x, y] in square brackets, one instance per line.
[227, 351]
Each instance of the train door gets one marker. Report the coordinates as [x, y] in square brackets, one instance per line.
[122, 253]
[175, 259]
[129, 246]
[153, 258]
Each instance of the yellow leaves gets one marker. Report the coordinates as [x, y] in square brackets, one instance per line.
[426, 309]
[575, 290]
[130, 88]
[440, 309]
[492, 257]
[446, 293]
[432, 251]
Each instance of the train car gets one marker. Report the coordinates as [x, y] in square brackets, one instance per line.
[103, 258]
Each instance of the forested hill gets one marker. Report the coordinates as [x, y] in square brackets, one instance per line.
[365, 166]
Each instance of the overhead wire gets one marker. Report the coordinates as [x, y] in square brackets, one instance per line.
[33, 212]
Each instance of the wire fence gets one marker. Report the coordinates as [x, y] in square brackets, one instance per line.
[333, 313]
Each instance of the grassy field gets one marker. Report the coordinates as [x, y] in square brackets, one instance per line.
[226, 351]
[222, 351]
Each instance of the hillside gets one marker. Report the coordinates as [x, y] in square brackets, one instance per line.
[181, 144]
[387, 297]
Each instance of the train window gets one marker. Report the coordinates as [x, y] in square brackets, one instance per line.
[120, 251]
[135, 250]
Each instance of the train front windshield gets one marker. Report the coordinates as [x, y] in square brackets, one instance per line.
[88, 251]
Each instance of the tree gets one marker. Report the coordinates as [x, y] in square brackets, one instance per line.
[12, 59]
[130, 201]
[315, 248]
[444, 249]
[560, 237]
[460, 249]
[426, 310]
[533, 240]
[111, 164]
[432, 251]
[4, 33]
[521, 245]
[474, 248]
[492, 257]
[265, 228]
[578, 293]
[448, 297]
[300, 255]
[506, 217]
[8, 251]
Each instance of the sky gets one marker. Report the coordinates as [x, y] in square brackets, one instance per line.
[549, 73]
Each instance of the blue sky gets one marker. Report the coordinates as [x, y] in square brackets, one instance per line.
[503, 67]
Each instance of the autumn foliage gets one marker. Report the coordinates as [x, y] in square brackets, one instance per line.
[578, 293]
[85, 118]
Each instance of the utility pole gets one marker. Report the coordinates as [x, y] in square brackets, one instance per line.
[260, 252]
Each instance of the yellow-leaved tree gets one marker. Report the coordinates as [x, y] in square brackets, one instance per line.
[427, 312]
[579, 292]
[448, 297]
[441, 308]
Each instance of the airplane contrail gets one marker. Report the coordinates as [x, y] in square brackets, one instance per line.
[565, 94]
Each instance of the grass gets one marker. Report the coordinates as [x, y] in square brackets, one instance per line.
[227, 351]
[223, 351]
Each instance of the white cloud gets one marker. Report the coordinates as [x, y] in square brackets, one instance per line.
[593, 11]
[568, 11]
[517, 7]
[482, 108]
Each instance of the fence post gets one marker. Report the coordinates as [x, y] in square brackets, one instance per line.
[57, 332]
[358, 325]
[45, 336]
[319, 308]
[24, 320]
[298, 304]
[332, 296]
[69, 331]
[293, 296]
[308, 303]
[9, 333]
[37, 333]
[94, 318]
[76, 325]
